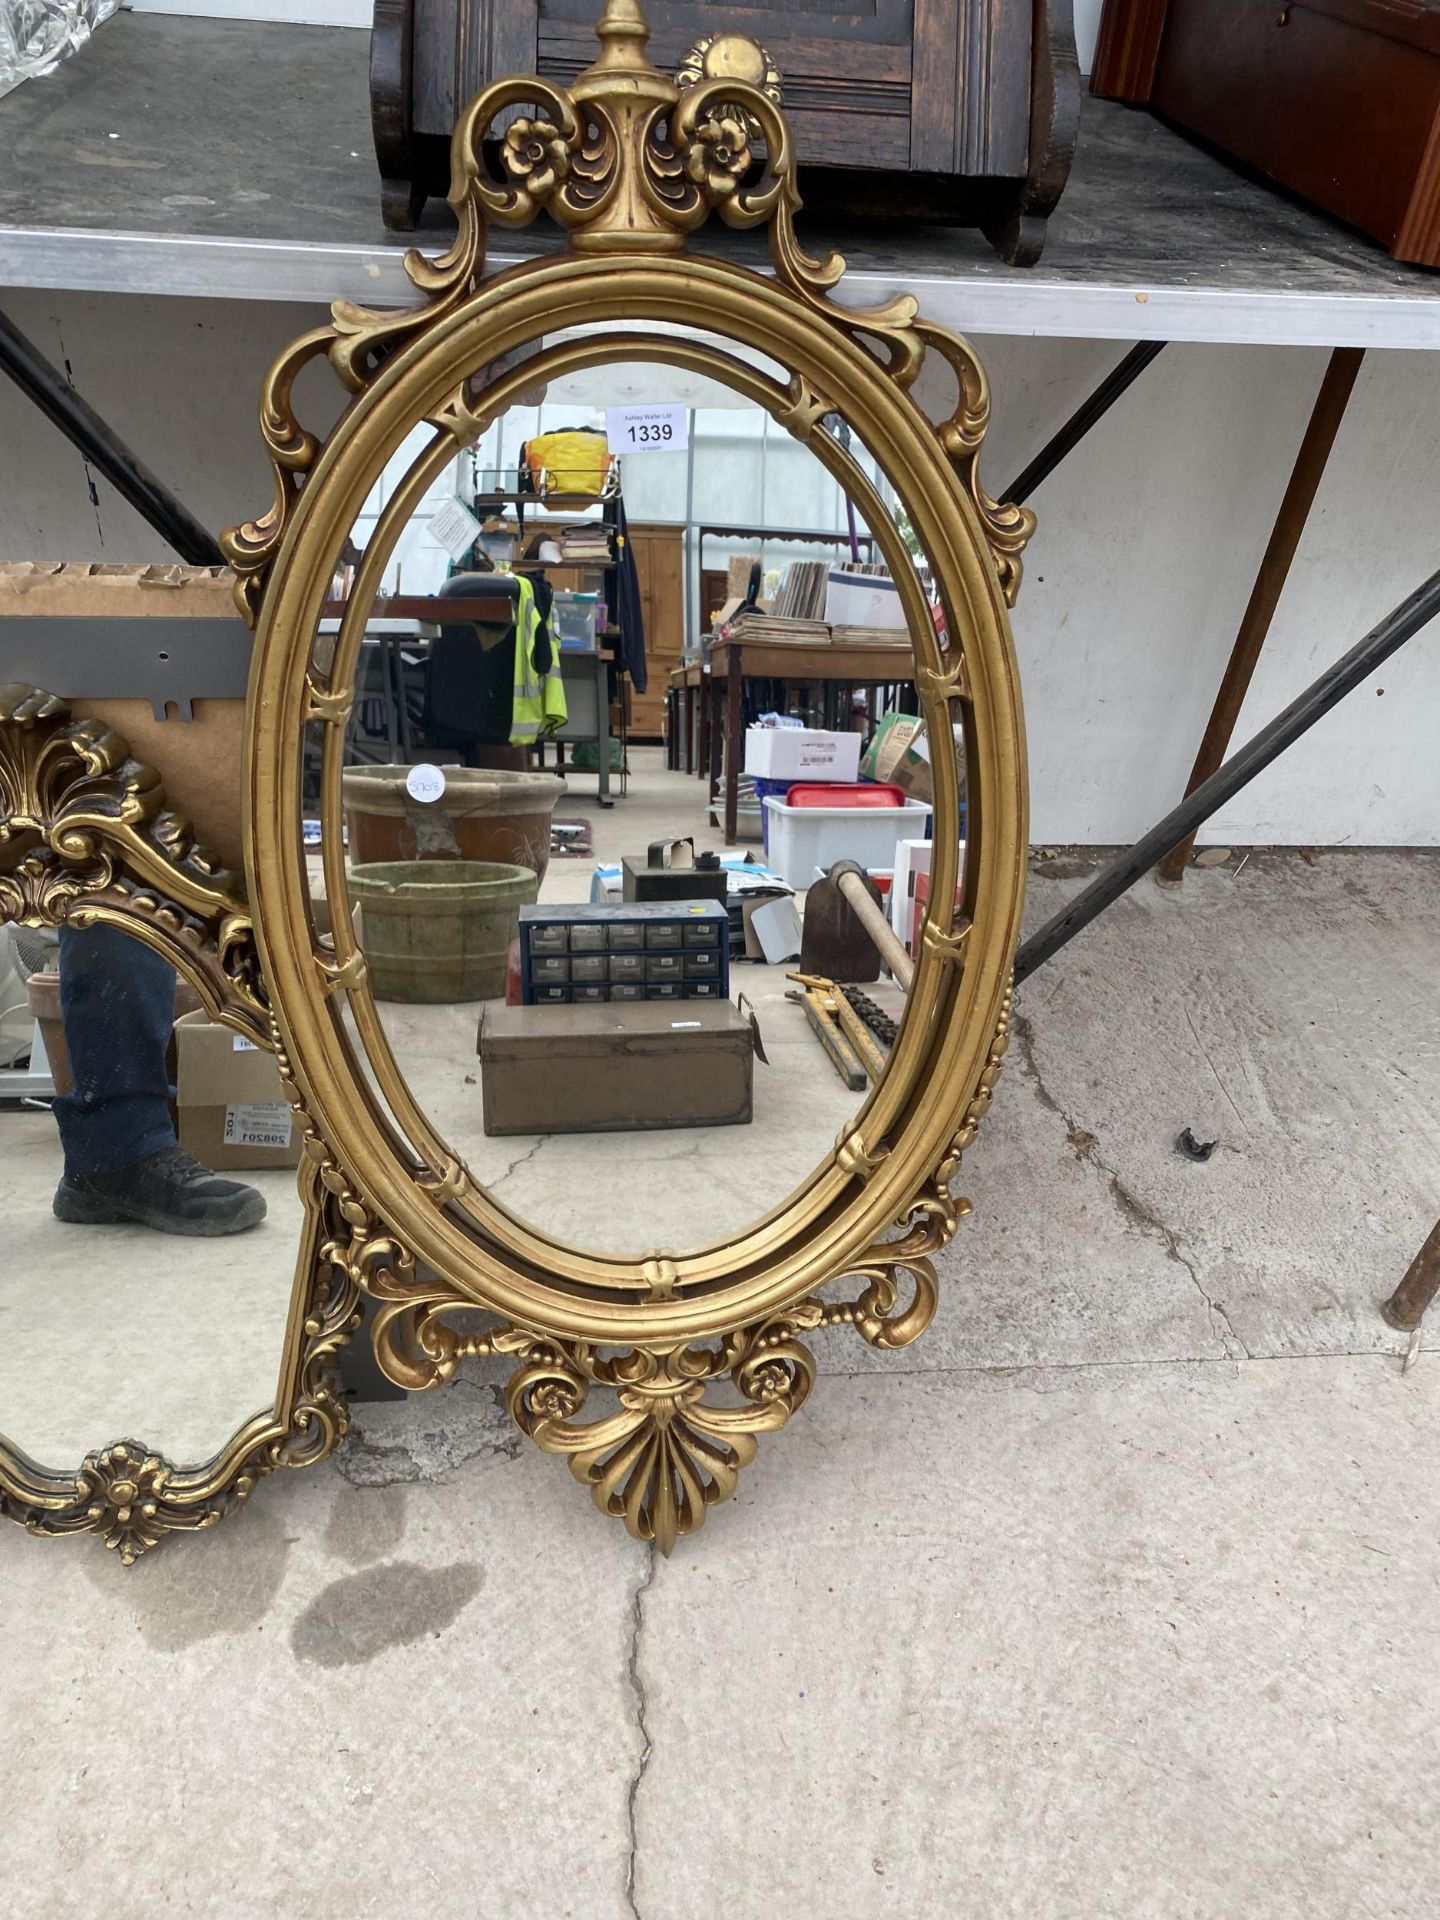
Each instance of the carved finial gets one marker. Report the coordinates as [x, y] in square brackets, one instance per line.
[622, 73]
[623, 32]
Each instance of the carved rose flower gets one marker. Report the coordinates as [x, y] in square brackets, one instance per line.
[554, 1400]
[535, 154]
[719, 156]
[769, 1381]
[123, 1487]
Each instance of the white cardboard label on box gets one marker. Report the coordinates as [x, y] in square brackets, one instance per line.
[454, 528]
[241, 1045]
[647, 429]
[258, 1123]
[425, 782]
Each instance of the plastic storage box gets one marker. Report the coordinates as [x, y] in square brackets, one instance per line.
[911, 889]
[574, 619]
[803, 838]
[638, 950]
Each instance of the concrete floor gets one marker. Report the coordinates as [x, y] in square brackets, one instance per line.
[1116, 1595]
[144, 1300]
[644, 1191]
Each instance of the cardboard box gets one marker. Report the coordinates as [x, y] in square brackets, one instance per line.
[233, 1109]
[200, 759]
[801, 753]
[863, 600]
[911, 889]
[615, 1066]
[899, 754]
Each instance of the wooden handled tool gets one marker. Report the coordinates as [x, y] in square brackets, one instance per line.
[845, 933]
[851, 881]
[822, 1011]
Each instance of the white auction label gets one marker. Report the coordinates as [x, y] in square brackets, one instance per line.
[242, 1045]
[647, 429]
[454, 528]
[258, 1123]
[425, 782]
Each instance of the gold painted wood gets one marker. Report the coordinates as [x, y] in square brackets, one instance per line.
[691, 1354]
[86, 840]
[698, 1351]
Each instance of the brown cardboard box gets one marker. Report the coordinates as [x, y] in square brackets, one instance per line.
[900, 755]
[233, 1110]
[200, 759]
[601, 1069]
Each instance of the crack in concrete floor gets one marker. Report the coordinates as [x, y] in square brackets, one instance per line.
[1132, 1209]
[520, 1160]
[647, 1746]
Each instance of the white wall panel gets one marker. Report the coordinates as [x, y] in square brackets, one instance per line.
[1148, 542]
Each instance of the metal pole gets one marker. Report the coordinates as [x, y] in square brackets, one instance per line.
[1082, 420]
[104, 448]
[1406, 1306]
[1241, 768]
[1305, 477]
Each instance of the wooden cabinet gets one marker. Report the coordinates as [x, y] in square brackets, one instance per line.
[660, 564]
[957, 110]
[1339, 100]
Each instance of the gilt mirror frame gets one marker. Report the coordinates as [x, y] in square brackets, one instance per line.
[691, 1354]
[86, 840]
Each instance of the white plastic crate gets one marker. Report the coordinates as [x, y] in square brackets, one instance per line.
[803, 838]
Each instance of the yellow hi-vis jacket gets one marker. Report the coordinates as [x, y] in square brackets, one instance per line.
[538, 706]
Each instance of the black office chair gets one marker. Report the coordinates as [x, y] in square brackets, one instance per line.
[470, 673]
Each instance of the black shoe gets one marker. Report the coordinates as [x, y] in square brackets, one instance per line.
[167, 1191]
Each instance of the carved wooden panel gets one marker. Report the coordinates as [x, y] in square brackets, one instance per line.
[957, 109]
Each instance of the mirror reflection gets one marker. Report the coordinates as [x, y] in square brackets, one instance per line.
[153, 1217]
[634, 678]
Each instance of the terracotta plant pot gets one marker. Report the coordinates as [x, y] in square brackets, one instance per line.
[484, 814]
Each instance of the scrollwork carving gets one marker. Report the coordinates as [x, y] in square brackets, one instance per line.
[670, 1452]
[626, 161]
[86, 839]
[629, 164]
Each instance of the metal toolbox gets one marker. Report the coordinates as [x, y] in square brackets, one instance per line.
[601, 1068]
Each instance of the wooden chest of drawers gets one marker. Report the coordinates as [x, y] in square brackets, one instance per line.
[957, 110]
[1338, 100]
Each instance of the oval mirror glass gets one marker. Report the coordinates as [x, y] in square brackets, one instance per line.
[164, 1293]
[630, 610]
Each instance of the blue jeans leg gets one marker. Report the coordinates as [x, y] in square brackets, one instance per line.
[117, 1000]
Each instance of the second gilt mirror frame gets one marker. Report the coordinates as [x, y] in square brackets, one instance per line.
[653, 1376]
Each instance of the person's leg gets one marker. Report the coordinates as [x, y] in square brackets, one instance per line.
[122, 1161]
[117, 1000]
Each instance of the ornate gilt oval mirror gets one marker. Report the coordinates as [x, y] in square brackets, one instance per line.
[124, 1348]
[653, 1298]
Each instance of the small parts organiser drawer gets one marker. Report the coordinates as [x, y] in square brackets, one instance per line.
[638, 950]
